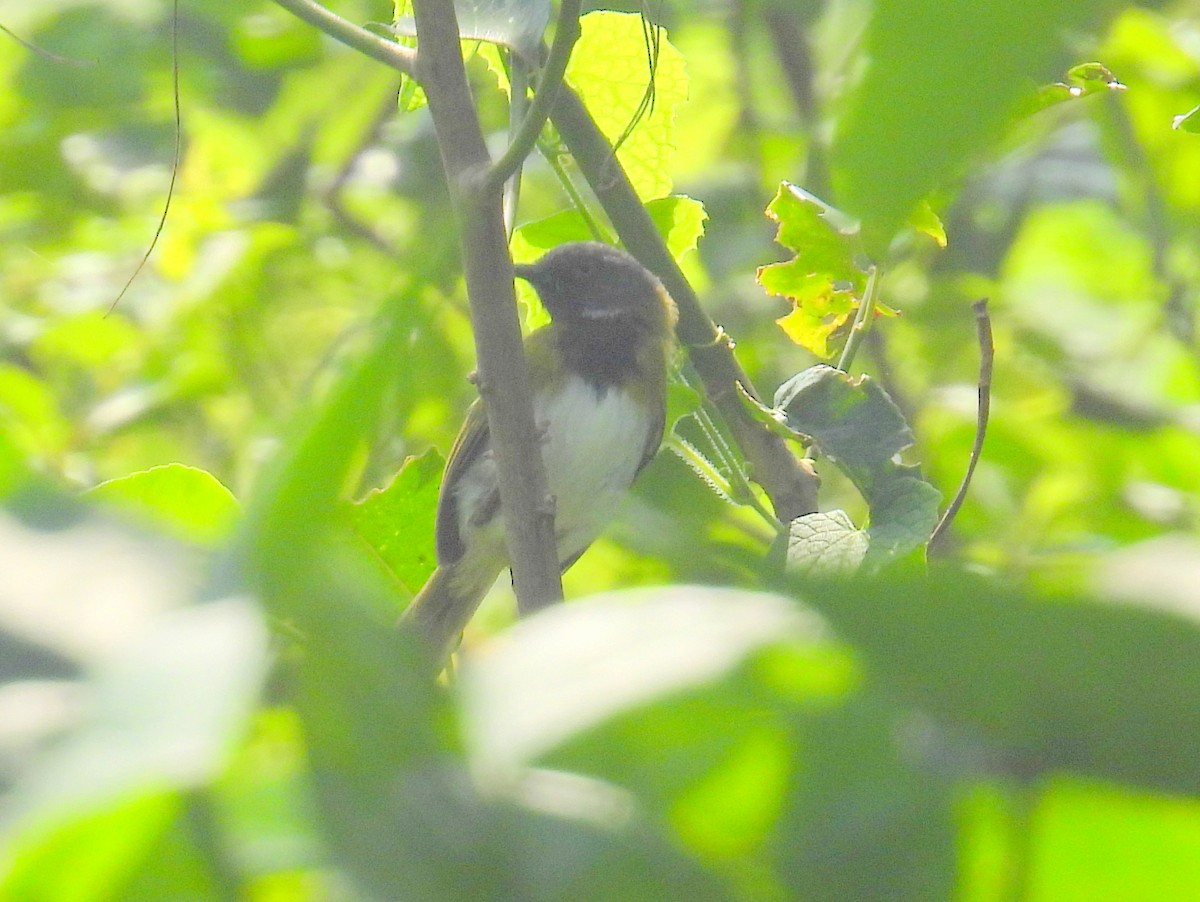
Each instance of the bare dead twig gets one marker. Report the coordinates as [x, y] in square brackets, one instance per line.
[162, 220]
[987, 351]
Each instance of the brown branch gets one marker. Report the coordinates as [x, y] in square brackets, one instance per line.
[791, 484]
[503, 375]
[983, 328]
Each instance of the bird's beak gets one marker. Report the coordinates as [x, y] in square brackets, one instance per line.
[525, 271]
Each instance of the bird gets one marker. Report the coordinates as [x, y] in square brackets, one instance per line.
[598, 372]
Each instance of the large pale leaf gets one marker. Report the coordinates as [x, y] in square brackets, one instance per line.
[612, 69]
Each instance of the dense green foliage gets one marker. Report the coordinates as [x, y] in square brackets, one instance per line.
[218, 492]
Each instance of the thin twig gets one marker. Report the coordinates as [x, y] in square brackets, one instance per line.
[566, 33]
[42, 51]
[403, 59]
[987, 351]
[553, 157]
[162, 220]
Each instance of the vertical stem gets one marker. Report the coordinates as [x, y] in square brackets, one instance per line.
[503, 375]
[862, 321]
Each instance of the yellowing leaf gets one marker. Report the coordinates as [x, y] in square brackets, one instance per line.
[611, 70]
[818, 312]
[824, 280]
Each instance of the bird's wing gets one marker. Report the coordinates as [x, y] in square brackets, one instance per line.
[653, 443]
[471, 442]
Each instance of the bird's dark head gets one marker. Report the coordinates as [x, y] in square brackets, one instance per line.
[587, 283]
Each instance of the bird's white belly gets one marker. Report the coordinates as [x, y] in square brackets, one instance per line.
[592, 444]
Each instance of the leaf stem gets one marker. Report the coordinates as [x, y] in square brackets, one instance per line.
[740, 489]
[554, 159]
[566, 33]
[862, 321]
[385, 50]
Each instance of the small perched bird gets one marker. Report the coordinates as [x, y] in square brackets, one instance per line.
[599, 377]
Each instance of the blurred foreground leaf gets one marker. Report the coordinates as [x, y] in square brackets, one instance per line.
[733, 720]
[1103, 689]
[188, 502]
[917, 118]
[162, 717]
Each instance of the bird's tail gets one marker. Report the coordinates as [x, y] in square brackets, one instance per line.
[440, 611]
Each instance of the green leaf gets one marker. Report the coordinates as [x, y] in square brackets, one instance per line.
[610, 68]
[852, 420]
[904, 511]
[825, 544]
[190, 503]
[397, 522]
[1053, 683]
[854, 423]
[823, 280]
[551, 677]
[680, 220]
[925, 221]
[916, 119]
[164, 711]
